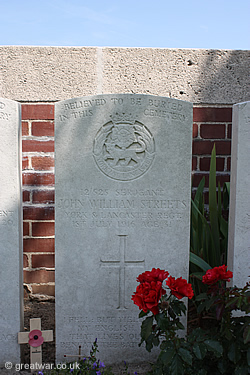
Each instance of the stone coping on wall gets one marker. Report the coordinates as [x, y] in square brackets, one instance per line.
[31, 74]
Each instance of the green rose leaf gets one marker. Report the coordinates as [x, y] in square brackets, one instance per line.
[215, 347]
[241, 370]
[142, 314]
[246, 334]
[156, 341]
[200, 350]
[234, 353]
[149, 343]
[167, 356]
[146, 327]
[176, 366]
[186, 356]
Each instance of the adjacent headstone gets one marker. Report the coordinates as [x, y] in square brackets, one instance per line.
[123, 187]
[239, 212]
[11, 305]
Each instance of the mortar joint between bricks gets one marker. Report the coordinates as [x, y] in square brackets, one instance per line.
[41, 253]
[38, 153]
[198, 164]
[41, 138]
[32, 188]
[41, 269]
[41, 238]
[48, 283]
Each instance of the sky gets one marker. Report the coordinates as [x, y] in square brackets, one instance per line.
[213, 24]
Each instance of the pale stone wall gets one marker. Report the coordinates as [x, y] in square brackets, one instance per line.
[42, 74]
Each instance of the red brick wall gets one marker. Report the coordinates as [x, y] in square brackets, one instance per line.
[211, 125]
[38, 197]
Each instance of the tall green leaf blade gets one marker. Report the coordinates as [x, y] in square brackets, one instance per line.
[226, 195]
[198, 261]
[219, 202]
[199, 192]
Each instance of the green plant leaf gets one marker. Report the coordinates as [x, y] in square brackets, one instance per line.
[199, 191]
[246, 334]
[176, 366]
[146, 327]
[197, 275]
[199, 350]
[198, 261]
[234, 353]
[186, 355]
[162, 321]
[167, 356]
[149, 343]
[226, 195]
[156, 341]
[142, 314]
[201, 297]
[241, 370]
[215, 347]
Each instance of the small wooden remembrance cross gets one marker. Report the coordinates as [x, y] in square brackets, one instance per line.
[79, 355]
[35, 339]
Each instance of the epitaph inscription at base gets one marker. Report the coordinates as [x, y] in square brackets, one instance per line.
[123, 185]
[10, 232]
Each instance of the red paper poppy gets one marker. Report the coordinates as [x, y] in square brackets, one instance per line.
[36, 338]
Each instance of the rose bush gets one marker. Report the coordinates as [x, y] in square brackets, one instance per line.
[222, 348]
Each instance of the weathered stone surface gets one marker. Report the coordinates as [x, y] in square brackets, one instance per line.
[57, 73]
[10, 232]
[239, 213]
[123, 167]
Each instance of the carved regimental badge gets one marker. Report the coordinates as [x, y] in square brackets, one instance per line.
[124, 148]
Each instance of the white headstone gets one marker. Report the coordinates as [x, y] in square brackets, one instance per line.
[11, 302]
[239, 209]
[123, 187]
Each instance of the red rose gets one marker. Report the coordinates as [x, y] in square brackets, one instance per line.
[215, 274]
[147, 296]
[155, 275]
[224, 274]
[180, 287]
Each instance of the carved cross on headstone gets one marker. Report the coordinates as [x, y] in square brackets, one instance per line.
[35, 339]
[122, 264]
